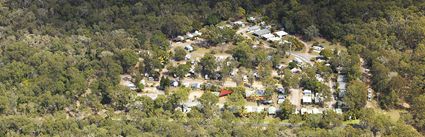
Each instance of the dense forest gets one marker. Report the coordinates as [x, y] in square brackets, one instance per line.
[60, 62]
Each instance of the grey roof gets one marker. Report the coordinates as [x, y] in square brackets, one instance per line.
[254, 28]
[261, 32]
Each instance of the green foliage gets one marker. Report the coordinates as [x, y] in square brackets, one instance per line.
[61, 61]
[208, 64]
[180, 71]
[216, 35]
[128, 59]
[287, 111]
[243, 53]
[296, 44]
[418, 110]
[179, 54]
[208, 100]
[311, 32]
[356, 95]
[164, 82]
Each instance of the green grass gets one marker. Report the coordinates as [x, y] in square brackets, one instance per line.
[351, 122]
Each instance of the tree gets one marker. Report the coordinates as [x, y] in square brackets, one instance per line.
[179, 54]
[216, 35]
[418, 111]
[287, 109]
[208, 64]
[159, 40]
[128, 59]
[208, 100]
[180, 71]
[164, 83]
[119, 97]
[179, 95]
[296, 44]
[213, 19]
[176, 25]
[356, 95]
[327, 53]
[311, 32]
[243, 54]
[330, 120]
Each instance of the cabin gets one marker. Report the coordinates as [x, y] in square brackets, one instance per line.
[254, 109]
[307, 97]
[268, 36]
[281, 33]
[254, 28]
[274, 39]
[238, 23]
[261, 32]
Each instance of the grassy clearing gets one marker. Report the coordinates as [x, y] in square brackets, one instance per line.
[351, 122]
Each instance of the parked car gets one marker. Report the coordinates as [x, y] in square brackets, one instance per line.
[280, 101]
[267, 102]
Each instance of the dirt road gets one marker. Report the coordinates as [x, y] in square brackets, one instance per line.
[296, 95]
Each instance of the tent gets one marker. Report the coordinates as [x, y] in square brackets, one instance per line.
[225, 92]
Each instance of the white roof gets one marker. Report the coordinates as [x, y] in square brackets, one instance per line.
[307, 99]
[268, 35]
[281, 33]
[196, 33]
[189, 35]
[304, 110]
[342, 85]
[254, 109]
[341, 78]
[274, 39]
[307, 91]
[272, 110]
[238, 22]
[280, 101]
[295, 70]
